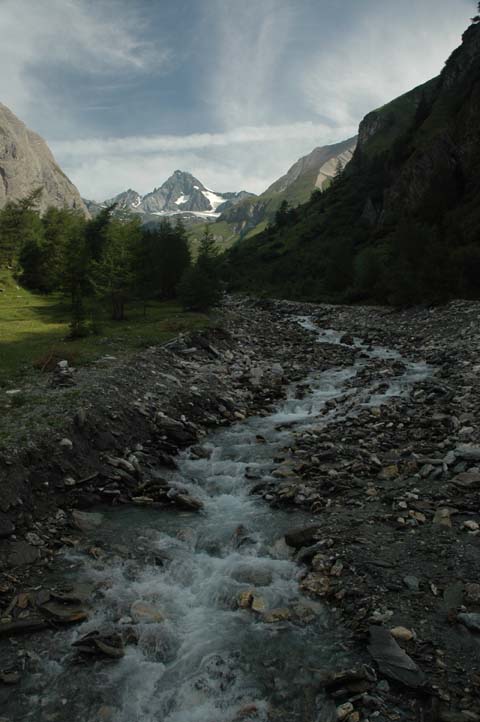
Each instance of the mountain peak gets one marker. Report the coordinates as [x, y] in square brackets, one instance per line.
[26, 163]
[181, 193]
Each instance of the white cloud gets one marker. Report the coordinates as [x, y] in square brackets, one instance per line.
[388, 50]
[248, 157]
[94, 37]
[250, 38]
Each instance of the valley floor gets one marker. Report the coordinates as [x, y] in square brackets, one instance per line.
[387, 473]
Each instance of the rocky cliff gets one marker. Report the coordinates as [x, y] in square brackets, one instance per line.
[180, 195]
[26, 163]
[401, 224]
[251, 215]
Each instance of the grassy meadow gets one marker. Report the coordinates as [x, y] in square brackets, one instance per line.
[34, 330]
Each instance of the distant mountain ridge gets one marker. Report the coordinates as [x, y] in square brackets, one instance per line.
[27, 163]
[181, 194]
[251, 215]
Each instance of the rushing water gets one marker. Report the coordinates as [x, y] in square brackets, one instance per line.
[206, 660]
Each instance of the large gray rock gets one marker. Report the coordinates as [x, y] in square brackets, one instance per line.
[303, 536]
[392, 661]
[22, 554]
[26, 163]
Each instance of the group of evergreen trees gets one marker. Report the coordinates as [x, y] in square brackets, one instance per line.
[105, 261]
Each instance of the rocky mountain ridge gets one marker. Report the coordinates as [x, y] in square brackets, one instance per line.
[181, 194]
[313, 171]
[27, 163]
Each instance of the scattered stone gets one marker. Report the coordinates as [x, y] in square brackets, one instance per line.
[303, 536]
[470, 620]
[258, 604]
[412, 583]
[22, 553]
[96, 644]
[87, 521]
[344, 710]
[7, 528]
[281, 614]
[442, 518]
[402, 633]
[392, 661]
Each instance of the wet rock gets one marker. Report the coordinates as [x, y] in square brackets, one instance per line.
[257, 577]
[470, 620]
[471, 525]
[96, 644]
[7, 528]
[64, 613]
[258, 604]
[402, 633]
[303, 536]
[317, 584]
[22, 553]
[344, 710]
[467, 480]
[392, 661]
[87, 521]
[143, 612]
[32, 623]
[412, 583]
[200, 452]
[245, 599]
[281, 614]
[472, 593]
[188, 502]
[442, 518]
[468, 451]
[9, 676]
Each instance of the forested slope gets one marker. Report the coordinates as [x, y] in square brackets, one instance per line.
[402, 223]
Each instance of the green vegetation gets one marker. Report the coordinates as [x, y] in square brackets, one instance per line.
[34, 330]
[400, 224]
[77, 289]
[200, 287]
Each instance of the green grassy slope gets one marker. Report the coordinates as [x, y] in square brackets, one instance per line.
[33, 330]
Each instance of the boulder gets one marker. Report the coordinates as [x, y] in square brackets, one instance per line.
[392, 661]
[303, 536]
[87, 521]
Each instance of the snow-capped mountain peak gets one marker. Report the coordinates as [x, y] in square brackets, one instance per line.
[181, 193]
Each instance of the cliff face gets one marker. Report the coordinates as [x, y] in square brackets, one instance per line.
[26, 163]
[315, 170]
[402, 223]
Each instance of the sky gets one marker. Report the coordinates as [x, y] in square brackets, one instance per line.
[233, 91]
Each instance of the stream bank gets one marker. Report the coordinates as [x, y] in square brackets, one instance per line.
[370, 474]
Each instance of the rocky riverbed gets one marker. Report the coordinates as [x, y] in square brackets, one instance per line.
[358, 435]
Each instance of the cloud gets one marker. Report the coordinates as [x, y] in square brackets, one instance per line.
[250, 38]
[383, 53]
[247, 157]
[245, 134]
[93, 38]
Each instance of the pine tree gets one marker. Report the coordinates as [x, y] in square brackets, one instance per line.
[19, 225]
[113, 274]
[200, 287]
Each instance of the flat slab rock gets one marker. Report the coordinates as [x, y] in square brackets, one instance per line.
[6, 526]
[392, 661]
[302, 536]
[22, 553]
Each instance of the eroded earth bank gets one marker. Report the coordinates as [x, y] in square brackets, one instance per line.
[275, 519]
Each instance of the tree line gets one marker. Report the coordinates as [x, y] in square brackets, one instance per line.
[105, 262]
